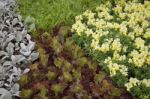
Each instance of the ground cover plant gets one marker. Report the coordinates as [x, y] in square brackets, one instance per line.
[16, 49]
[64, 72]
[49, 13]
[116, 34]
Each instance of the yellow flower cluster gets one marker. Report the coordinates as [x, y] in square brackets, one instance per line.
[141, 58]
[114, 67]
[116, 45]
[79, 26]
[117, 56]
[132, 82]
[128, 19]
[136, 24]
[139, 42]
[146, 82]
[135, 82]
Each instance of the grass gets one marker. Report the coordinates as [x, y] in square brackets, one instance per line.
[49, 13]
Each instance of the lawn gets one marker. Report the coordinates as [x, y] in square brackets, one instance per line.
[49, 13]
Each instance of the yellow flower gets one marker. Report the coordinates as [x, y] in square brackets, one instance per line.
[114, 67]
[123, 29]
[148, 60]
[89, 14]
[125, 49]
[79, 17]
[78, 27]
[118, 9]
[128, 86]
[146, 82]
[139, 59]
[96, 36]
[139, 42]
[104, 48]
[131, 35]
[117, 56]
[122, 15]
[95, 44]
[138, 31]
[91, 21]
[116, 26]
[116, 45]
[108, 60]
[147, 34]
[121, 2]
[132, 82]
[88, 32]
[145, 24]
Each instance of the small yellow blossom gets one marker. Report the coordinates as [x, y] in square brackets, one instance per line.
[139, 42]
[146, 82]
[147, 35]
[79, 17]
[139, 59]
[114, 67]
[104, 48]
[132, 82]
[88, 32]
[117, 56]
[116, 45]
[123, 29]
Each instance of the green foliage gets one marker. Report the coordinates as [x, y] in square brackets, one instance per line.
[74, 50]
[116, 92]
[49, 13]
[77, 88]
[76, 74]
[67, 76]
[119, 79]
[99, 77]
[67, 66]
[43, 93]
[26, 93]
[24, 79]
[43, 56]
[67, 72]
[56, 45]
[51, 75]
[30, 23]
[142, 92]
[58, 62]
[82, 61]
[57, 88]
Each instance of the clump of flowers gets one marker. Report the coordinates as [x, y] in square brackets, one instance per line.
[117, 35]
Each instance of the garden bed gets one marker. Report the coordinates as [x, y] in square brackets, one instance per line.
[74, 49]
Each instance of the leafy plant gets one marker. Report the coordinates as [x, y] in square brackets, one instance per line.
[51, 75]
[68, 73]
[57, 88]
[26, 94]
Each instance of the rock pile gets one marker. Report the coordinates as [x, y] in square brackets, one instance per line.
[16, 49]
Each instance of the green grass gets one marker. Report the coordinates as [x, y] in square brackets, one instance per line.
[49, 13]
